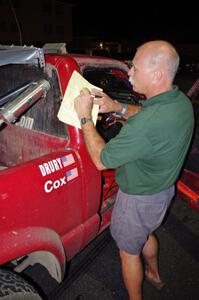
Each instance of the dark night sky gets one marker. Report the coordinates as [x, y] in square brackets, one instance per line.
[138, 20]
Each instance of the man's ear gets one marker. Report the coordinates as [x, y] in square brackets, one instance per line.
[157, 76]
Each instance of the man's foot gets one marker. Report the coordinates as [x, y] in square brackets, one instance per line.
[156, 282]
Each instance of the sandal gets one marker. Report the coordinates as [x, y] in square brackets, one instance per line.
[159, 285]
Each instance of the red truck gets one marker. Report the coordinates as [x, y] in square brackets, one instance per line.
[53, 200]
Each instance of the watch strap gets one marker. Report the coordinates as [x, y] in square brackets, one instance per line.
[122, 112]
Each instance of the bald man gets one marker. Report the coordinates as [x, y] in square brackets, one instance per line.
[147, 154]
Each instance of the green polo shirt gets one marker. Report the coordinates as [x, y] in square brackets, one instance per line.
[150, 149]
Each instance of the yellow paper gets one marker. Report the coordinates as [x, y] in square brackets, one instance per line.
[67, 113]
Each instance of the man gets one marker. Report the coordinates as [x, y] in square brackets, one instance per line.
[148, 154]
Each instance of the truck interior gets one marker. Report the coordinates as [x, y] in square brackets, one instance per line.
[38, 122]
[114, 83]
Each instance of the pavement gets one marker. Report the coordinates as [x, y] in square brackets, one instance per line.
[99, 276]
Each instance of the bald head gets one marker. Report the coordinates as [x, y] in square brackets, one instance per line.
[161, 54]
[154, 67]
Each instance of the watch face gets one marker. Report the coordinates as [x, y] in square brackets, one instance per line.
[83, 121]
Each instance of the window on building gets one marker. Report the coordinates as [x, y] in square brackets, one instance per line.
[59, 9]
[46, 6]
[60, 29]
[48, 29]
[3, 25]
[17, 3]
[14, 27]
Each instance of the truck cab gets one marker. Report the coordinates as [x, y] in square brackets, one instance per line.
[53, 200]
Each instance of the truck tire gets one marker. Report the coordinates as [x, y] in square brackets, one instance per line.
[13, 287]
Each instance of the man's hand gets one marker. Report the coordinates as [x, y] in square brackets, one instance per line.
[94, 142]
[108, 105]
[105, 103]
[84, 104]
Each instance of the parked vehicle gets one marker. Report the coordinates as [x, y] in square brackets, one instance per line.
[53, 200]
[188, 185]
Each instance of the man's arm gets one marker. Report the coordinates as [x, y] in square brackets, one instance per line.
[93, 141]
[94, 144]
[109, 105]
[130, 109]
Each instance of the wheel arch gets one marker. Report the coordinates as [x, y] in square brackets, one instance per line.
[26, 247]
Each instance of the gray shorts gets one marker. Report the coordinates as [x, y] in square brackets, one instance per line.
[135, 217]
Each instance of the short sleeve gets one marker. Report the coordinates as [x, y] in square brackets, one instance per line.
[129, 145]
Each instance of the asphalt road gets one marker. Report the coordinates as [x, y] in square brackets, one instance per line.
[95, 273]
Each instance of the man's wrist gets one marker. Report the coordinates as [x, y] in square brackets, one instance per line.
[122, 108]
[85, 120]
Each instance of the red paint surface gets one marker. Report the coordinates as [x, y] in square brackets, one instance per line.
[67, 217]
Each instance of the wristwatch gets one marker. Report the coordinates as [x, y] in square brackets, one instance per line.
[84, 120]
[122, 112]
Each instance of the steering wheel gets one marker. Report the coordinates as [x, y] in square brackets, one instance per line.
[108, 125]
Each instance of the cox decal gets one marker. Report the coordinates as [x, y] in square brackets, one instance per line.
[53, 185]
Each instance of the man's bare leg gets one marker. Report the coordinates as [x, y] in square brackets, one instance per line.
[150, 253]
[132, 270]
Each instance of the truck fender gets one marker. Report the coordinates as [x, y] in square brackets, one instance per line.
[44, 258]
[36, 245]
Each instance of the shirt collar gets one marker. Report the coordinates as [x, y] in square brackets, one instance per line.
[166, 97]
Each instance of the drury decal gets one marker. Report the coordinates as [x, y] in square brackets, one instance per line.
[56, 164]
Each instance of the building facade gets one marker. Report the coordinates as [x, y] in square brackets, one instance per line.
[35, 22]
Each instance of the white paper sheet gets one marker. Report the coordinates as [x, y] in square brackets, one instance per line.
[67, 113]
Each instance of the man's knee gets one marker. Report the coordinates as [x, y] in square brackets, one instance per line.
[124, 256]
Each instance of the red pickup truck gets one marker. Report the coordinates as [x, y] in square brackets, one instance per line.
[53, 200]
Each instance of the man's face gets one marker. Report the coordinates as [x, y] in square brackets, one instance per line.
[140, 73]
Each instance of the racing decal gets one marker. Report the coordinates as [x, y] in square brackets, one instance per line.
[71, 174]
[56, 164]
